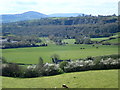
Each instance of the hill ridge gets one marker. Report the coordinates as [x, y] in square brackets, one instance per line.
[30, 15]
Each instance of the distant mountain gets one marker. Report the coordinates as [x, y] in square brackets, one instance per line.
[66, 14]
[21, 17]
[6, 18]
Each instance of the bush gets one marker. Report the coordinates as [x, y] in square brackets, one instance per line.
[63, 64]
[11, 70]
[108, 63]
[73, 66]
[51, 69]
[113, 56]
[101, 62]
[79, 66]
[46, 70]
[3, 60]
[29, 73]
[90, 58]
[55, 57]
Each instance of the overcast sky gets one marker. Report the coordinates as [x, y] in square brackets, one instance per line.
[94, 7]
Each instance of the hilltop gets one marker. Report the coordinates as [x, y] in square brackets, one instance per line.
[21, 17]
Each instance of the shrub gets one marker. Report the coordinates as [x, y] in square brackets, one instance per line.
[55, 57]
[101, 62]
[51, 69]
[90, 58]
[74, 66]
[11, 70]
[29, 73]
[3, 60]
[46, 70]
[82, 65]
[63, 64]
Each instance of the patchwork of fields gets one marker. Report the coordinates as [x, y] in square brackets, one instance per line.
[31, 55]
[76, 37]
[88, 79]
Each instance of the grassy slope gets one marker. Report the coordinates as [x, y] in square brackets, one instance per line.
[111, 41]
[114, 40]
[87, 79]
[31, 55]
[71, 41]
[99, 39]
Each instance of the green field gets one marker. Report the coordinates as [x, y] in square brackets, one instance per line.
[46, 40]
[105, 38]
[110, 41]
[31, 55]
[114, 40]
[69, 41]
[99, 39]
[87, 79]
[72, 41]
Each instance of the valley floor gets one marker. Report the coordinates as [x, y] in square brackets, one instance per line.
[73, 52]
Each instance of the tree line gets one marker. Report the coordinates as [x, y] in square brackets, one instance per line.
[21, 41]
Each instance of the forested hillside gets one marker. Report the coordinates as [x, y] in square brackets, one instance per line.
[69, 27]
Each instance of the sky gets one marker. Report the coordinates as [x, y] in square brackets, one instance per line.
[94, 7]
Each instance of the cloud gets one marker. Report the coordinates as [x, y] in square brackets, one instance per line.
[59, 6]
[26, 3]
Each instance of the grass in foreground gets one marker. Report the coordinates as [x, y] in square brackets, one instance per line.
[87, 79]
